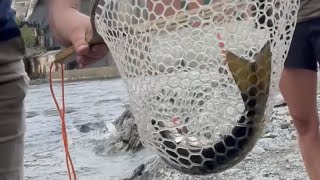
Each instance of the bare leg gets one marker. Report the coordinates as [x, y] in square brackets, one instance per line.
[299, 89]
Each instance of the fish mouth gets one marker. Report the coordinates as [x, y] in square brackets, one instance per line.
[195, 156]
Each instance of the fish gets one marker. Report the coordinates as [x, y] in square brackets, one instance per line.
[253, 81]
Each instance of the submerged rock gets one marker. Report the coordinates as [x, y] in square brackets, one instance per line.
[31, 114]
[85, 128]
[137, 172]
[146, 170]
[127, 137]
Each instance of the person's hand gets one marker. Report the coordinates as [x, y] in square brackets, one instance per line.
[70, 27]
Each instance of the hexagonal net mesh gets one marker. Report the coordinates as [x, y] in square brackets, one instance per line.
[201, 74]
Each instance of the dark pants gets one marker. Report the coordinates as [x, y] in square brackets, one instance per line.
[304, 52]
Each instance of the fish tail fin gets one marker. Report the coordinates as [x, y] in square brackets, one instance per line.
[246, 73]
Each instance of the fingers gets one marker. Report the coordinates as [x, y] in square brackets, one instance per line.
[79, 42]
[86, 54]
[84, 61]
[80, 36]
[82, 49]
[98, 51]
[95, 53]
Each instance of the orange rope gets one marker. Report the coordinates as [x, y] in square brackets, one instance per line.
[62, 113]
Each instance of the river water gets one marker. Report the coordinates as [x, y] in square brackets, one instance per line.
[98, 102]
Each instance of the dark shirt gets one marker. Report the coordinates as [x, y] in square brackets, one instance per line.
[309, 9]
[8, 26]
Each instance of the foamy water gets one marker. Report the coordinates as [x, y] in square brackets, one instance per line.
[96, 102]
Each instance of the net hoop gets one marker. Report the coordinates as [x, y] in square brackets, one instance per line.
[201, 75]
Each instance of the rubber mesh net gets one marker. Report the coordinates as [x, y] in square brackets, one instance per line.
[201, 74]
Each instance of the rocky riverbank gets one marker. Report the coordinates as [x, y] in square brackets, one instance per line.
[275, 157]
[127, 137]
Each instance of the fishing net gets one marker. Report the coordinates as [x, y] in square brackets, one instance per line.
[201, 74]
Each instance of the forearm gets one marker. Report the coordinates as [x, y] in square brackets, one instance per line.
[61, 19]
[58, 5]
[58, 8]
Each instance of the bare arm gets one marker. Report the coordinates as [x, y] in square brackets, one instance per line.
[61, 13]
[64, 4]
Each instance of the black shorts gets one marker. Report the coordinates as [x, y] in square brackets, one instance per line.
[304, 52]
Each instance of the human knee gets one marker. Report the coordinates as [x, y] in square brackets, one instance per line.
[305, 124]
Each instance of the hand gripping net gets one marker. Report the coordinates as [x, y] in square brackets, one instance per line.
[201, 74]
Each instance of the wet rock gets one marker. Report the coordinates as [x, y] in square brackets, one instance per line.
[137, 172]
[127, 137]
[85, 128]
[118, 123]
[152, 169]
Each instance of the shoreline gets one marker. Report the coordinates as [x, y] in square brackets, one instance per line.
[35, 82]
[78, 75]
